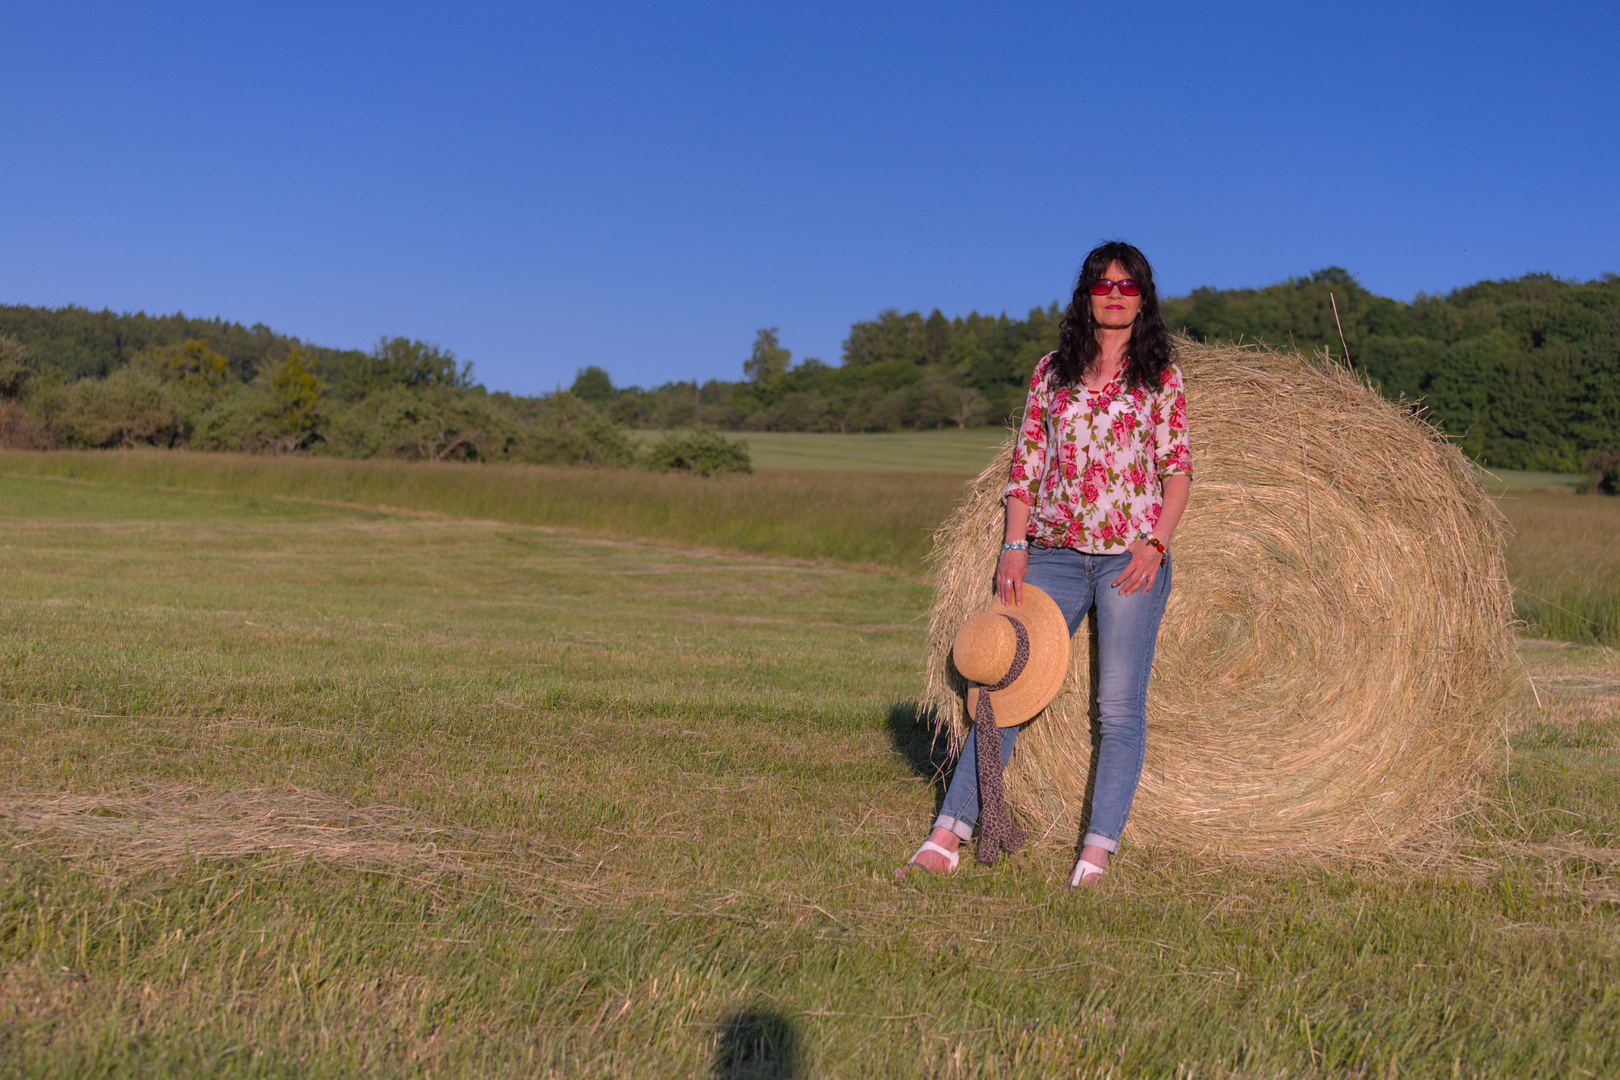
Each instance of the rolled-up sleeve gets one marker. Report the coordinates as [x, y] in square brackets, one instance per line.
[1029, 455]
[1172, 451]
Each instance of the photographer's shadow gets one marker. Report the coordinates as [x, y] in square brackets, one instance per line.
[757, 1044]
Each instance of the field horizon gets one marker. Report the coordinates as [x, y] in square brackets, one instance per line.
[965, 452]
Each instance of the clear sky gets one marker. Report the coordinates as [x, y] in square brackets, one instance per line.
[641, 186]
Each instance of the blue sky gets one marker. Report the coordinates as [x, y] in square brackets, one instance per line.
[641, 186]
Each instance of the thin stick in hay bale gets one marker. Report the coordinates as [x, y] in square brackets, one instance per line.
[1318, 685]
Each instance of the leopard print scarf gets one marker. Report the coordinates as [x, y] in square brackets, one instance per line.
[996, 830]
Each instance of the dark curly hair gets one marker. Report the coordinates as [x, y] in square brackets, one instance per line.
[1077, 351]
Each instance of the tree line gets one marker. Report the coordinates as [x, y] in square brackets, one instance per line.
[76, 378]
[1523, 374]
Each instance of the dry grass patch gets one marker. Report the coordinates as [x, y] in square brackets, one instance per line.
[1566, 579]
[161, 826]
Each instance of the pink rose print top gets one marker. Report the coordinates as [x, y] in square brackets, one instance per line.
[1091, 465]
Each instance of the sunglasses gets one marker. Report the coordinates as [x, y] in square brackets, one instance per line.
[1127, 287]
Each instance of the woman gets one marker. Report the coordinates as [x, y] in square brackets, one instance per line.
[1099, 480]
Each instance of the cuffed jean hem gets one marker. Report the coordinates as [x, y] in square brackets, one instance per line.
[1099, 840]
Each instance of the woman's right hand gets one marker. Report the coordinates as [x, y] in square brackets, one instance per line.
[1010, 573]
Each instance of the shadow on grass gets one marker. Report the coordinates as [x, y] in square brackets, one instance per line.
[913, 735]
[757, 1044]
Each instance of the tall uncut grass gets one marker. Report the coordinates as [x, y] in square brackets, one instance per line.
[1560, 554]
[1564, 562]
[862, 518]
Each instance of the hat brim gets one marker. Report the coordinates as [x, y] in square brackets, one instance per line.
[1048, 663]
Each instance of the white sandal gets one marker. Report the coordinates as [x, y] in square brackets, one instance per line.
[1084, 871]
[953, 858]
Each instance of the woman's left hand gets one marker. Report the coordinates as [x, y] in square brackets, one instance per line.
[1144, 569]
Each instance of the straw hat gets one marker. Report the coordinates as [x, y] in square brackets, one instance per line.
[986, 645]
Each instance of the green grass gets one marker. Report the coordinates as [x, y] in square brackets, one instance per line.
[967, 452]
[868, 518]
[1559, 557]
[1515, 481]
[1564, 561]
[293, 789]
[961, 453]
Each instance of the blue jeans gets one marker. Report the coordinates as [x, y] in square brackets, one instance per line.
[1127, 630]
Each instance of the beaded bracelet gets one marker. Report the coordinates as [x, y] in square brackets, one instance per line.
[1015, 547]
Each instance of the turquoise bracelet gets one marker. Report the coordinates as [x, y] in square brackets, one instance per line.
[1014, 547]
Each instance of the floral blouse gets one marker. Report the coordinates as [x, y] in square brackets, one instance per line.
[1091, 465]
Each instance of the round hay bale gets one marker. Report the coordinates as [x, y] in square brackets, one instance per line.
[1336, 649]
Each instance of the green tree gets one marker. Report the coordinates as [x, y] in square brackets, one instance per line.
[769, 361]
[890, 338]
[593, 384]
[131, 407]
[399, 361]
[16, 369]
[699, 451]
[560, 429]
[78, 342]
[293, 417]
[192, 364]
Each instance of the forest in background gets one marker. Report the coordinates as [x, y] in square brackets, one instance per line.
[76, 378]
[1523, 374]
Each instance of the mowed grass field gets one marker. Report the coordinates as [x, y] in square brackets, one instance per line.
[1561, 547]
[291, 785]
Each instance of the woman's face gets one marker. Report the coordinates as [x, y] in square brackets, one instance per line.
[1115, 311]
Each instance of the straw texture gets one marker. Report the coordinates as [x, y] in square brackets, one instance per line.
[1335, 651]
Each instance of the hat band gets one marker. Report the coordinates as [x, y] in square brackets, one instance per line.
[1020, 657]
[996, 830]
